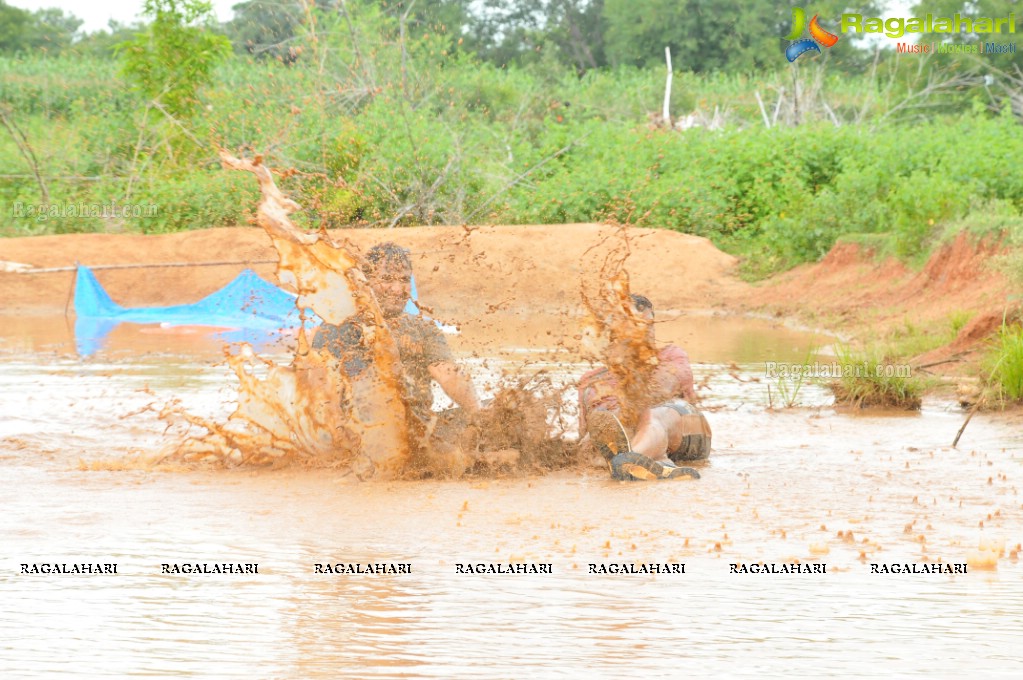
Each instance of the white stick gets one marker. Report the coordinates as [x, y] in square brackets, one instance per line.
[763, 111]
[831, 114]
[665, 113]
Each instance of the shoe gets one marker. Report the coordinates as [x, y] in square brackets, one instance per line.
[676, 472]
[632, 466]
[607, 434]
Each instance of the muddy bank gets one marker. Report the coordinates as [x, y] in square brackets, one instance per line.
[853, 292]
[512, 286]
[458, 269]
[516, 284]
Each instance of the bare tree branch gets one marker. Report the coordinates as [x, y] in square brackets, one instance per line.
[25, 149]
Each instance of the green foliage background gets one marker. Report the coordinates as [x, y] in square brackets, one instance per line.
[401, 113]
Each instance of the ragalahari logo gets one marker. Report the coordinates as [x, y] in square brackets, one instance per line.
[818, 36]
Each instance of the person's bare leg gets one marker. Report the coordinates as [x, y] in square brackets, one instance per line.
[659, 431]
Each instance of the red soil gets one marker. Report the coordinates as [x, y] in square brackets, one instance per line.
[520, 281]
[849, 291]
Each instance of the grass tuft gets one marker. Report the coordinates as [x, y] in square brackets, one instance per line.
[1004, 363]
[871, 379]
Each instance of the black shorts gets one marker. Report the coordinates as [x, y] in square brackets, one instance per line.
[695, 443]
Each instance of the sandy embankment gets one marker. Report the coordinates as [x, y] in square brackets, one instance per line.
[513, 282]
[850, 292]
[519, 282]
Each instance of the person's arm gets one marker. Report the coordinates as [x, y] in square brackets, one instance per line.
[586, 449]
[582, 414]
[456, 384]
[674, 374]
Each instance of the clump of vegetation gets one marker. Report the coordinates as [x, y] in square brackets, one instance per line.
[1004, 363]
[176, 56]
[1010, 263]
[1011, 266]
[869, 378]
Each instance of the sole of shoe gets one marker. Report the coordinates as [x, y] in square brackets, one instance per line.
[607, 434]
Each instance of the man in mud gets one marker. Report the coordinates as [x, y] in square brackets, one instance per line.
[422, 348]
[668, 433]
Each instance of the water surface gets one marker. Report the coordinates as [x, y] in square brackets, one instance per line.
[808, 485]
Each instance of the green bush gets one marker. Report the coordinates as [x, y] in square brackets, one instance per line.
[380, 135]
[210, 198]
[870, 378]
[1004, 362]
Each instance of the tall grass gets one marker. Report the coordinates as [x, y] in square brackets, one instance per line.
[871, 379]
[1004, 362]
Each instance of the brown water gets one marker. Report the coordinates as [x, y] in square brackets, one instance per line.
[780, 486]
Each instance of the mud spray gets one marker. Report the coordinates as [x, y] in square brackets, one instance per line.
[311, 413]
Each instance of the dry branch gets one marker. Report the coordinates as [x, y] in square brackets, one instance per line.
[21, 141]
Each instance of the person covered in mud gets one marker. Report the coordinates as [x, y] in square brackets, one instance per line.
[668, 433]
[422, 348]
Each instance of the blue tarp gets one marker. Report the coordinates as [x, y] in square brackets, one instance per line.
[252, 308]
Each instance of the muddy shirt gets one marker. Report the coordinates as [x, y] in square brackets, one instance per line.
[673, 377]
[420, 345]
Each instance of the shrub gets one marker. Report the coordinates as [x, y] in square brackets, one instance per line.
[1004, 362]
[871, 379]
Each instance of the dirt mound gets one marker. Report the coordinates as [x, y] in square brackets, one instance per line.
[846, 280]
[850, 289]
[518, 283]
[458, 269]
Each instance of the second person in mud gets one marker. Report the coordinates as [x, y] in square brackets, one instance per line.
[424, 353]
[669, 432]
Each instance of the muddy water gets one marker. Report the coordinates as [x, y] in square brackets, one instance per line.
[804, 484]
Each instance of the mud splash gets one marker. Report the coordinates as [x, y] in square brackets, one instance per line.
[312, 413]
[615, 332]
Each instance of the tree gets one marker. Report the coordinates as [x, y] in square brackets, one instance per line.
[973, 9]
[575, 28]
[447, 17]
[176, 54]
[46, 29]
[13, 27]
[708, 35]
[266, 28]
[517, 31]
[104, 43]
